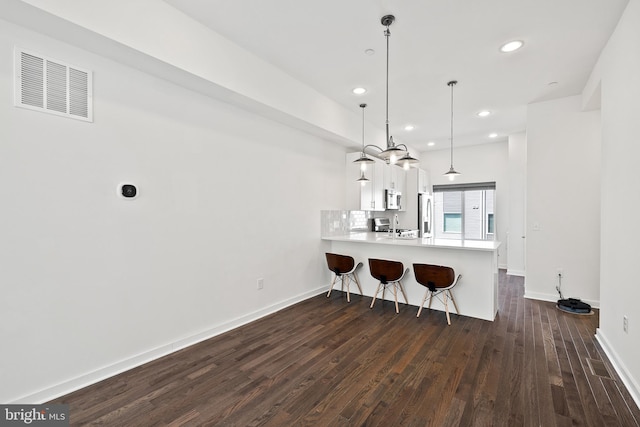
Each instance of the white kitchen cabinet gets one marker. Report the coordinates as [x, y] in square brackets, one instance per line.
[424, 183]
[418, 181]
[381, 176]
[368, 197]
[401, 185]
[396, 179]
[372, 193]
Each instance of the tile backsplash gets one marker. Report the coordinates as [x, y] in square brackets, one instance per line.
[336, 223]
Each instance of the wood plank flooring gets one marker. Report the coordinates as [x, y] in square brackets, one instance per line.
[326, 362]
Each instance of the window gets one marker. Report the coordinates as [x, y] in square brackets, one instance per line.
[452, 223]
[464, 211]
[490, 225]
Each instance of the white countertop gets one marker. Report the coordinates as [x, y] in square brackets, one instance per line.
[427, 242]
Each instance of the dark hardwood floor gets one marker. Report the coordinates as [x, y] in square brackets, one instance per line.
[325, 362]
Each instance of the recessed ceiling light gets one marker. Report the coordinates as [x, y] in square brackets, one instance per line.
[552, 83]
[511, 46]
[359, 90]
[431, 143]
[409, 127]
[493, 135]
[369, 52]
[484, 113]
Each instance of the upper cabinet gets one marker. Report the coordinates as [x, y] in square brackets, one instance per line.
[381, 176]
[395, 178]
[424, 183]
[418, 181]
[368, 196]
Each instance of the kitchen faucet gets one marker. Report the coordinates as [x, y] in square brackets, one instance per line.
[395, 222]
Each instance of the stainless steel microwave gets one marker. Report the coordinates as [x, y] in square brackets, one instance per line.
[392, 199]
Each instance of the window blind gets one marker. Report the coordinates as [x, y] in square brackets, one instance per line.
[465, 187]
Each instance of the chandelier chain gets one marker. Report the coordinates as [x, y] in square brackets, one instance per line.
[387, 33]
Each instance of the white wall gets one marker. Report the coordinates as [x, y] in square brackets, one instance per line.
[563, 200]
[169, 44]
[619, 285]
[92, 283]
[477, 163]
[516, 234]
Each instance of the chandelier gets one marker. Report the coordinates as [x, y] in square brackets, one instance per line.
[393, 153]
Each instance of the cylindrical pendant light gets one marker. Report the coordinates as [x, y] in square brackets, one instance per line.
[452, 173]
[363, 160]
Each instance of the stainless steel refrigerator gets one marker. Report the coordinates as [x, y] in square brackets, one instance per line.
[425, 214]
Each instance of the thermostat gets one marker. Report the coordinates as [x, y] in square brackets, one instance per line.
[128, 190]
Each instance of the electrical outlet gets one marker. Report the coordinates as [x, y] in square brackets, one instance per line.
[625, 324]
[260, 283]
[559, 272]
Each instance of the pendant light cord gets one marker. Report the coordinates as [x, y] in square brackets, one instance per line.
[452, 125]
[452, 84]
[363, 107]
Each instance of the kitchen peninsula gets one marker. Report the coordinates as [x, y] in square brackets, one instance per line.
[477, 292]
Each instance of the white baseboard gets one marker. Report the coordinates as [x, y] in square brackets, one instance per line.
[554, 298]
[93, 377]
[511, 272]
[619, 366]
[540, 296]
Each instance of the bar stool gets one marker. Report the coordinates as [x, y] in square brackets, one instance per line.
[438, 280]
[343, 267]
[389, 273]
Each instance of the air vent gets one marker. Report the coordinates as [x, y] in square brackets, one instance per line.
[51, 86]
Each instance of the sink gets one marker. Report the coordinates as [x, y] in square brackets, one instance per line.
[400, 237]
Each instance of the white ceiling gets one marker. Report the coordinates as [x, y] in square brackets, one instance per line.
[323, 43]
